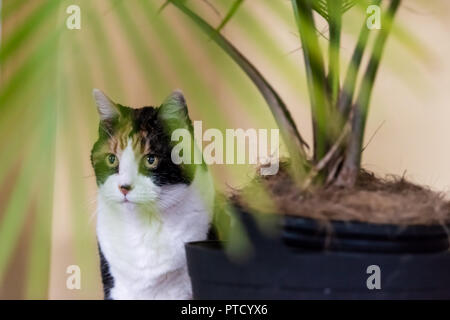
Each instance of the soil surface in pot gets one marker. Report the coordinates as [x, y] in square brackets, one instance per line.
[391, 200]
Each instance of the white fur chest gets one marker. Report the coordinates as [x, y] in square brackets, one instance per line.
[144, 246]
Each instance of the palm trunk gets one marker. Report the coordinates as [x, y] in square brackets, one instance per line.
[352, 162]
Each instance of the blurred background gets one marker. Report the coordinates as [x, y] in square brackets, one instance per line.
[48, 120]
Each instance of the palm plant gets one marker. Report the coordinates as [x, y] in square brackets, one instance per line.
[313, 255]
[339, 111]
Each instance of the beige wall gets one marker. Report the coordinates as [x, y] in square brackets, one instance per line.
[411, 100]
[414, 104]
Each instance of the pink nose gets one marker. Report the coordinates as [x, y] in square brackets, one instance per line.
[125, 188]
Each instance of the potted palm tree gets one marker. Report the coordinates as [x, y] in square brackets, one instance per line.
[337, 231]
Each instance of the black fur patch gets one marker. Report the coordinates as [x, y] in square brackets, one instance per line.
[107, 278]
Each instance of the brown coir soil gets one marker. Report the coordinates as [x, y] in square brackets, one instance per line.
[392, 200]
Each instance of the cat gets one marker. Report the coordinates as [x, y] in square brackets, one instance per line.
[148, 207]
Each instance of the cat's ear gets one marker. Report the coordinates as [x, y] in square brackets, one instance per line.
[174, 112]
[106, 108]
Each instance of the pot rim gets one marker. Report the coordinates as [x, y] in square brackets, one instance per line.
[354, 236]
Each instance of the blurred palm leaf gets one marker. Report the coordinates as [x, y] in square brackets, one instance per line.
[230, 14]
[48, 121]
[322, 6]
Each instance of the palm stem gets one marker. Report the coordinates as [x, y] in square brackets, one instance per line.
[230, 14]
[335, 24]
[315, 74]
[349, 86]
[352, 163]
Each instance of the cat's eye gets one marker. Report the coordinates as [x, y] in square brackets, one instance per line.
[112, 161]
[150, 161]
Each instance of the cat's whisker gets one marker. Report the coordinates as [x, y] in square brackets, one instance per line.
[106, 131]
[92, 216]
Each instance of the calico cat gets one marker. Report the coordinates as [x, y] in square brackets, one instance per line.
[148, 206]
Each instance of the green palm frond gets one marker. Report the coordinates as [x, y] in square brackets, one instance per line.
[322, 6]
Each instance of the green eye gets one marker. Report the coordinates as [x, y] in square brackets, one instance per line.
[112, 161]
[151, 161]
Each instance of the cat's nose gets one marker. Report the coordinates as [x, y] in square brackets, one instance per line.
[125, 188]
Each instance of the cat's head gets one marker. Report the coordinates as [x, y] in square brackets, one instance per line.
[132, 156]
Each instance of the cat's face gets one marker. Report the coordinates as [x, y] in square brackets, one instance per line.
[132, 157]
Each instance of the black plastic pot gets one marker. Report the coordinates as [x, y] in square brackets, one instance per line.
[309, 234]
[306, 261]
